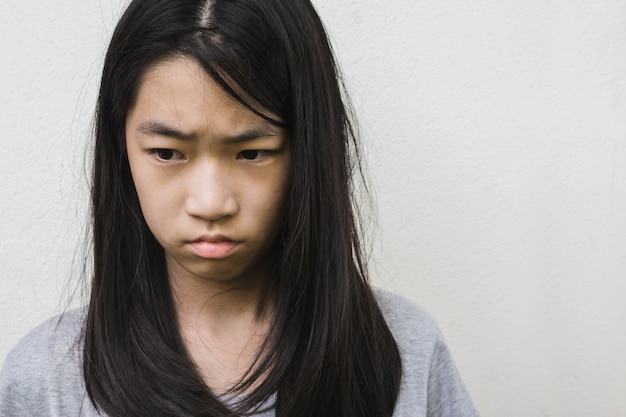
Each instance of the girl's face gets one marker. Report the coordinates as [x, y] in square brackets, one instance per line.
[211, 176]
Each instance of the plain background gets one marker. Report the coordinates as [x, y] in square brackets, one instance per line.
[496, 141]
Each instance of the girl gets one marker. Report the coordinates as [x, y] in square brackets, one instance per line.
[228, 273]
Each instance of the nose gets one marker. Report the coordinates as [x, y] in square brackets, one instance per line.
[210, 192]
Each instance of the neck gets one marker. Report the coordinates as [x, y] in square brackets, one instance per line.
[212, 304]
[223, 324]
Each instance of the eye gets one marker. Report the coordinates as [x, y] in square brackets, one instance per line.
[166, 155]
[253, 155]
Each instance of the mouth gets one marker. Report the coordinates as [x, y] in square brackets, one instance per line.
[213, 247]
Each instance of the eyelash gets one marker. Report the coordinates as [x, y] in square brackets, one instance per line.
[158, 154]
[259, 155]
[168, 155]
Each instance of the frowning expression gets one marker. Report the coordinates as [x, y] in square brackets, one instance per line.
[211, 176]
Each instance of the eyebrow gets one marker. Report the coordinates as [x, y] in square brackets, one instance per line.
[154, 127]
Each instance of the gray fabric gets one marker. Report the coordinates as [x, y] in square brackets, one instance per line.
[42, 375]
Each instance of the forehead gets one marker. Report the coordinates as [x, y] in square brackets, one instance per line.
[180, 86]
[179, 80]
[179, 93]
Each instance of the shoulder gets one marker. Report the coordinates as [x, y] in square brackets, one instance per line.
[406, 320]
[415, 331]
[431, 384]
[42, 374]
[53, 341]
[55, 331]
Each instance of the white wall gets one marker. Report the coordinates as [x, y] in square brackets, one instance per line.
[496, 133]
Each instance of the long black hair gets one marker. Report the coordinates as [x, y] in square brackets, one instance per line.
[329, 351]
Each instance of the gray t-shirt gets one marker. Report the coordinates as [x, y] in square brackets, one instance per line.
[42, 375]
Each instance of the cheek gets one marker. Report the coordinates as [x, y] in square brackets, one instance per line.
[154, 198]
[157, 205]
[265, 202]
[276, 204]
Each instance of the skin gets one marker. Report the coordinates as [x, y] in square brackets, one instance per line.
[211, 177]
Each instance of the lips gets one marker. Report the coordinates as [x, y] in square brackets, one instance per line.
[213, 247]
